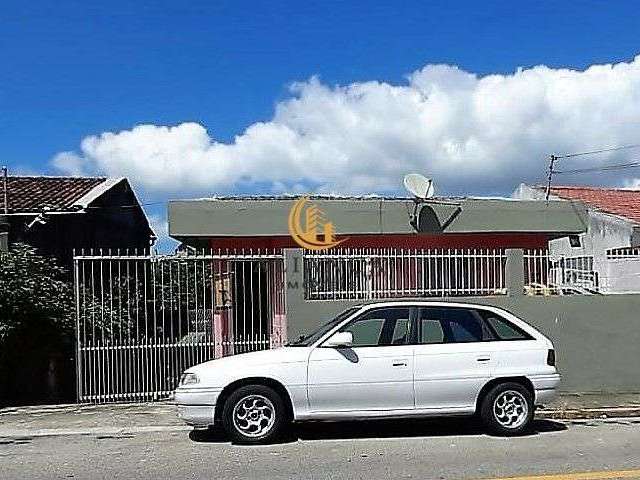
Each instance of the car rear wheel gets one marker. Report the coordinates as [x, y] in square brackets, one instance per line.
[507, 409]
[254, 414]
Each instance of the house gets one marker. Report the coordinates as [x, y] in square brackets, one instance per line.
[60, 214]
[387, 246]
[57, 215]
[610, 245]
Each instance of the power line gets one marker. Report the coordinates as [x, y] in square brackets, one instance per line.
[603, 150]
[620, 166]
[554, 158]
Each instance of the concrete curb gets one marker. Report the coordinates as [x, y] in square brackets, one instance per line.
[85, 407]
[589, 413]
[101, 432]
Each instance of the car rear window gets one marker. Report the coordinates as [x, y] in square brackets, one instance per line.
[504, 329]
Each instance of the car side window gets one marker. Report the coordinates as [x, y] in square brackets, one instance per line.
[504, 329]
[452, 325]
[379, 327]
[400, 331]
[465, 325]
[430, 324]
[366, 332]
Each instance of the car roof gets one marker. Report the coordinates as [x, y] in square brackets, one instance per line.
[422, 302]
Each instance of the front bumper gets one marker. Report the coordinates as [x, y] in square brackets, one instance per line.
[197, 415]
[196, 406]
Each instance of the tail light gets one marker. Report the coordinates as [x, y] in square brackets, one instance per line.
[551, 358]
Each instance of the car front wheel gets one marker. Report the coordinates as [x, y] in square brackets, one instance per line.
[254, 414]
[507, 409]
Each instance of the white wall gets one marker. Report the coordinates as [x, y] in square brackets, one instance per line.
[623, 275]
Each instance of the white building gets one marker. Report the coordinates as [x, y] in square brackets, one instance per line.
[610, 247]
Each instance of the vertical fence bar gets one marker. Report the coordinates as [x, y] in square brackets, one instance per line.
[79, 356]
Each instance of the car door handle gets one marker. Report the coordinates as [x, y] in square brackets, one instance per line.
[484, 358]
[399, 363]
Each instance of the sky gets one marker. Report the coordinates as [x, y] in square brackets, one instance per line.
[192, 99]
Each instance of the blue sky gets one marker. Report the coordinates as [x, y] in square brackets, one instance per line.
[74, 69]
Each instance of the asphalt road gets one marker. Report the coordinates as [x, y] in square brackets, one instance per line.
[373, 450]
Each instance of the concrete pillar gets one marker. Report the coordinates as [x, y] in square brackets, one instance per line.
[220, 333]
[514, 272]
[278, 298]
[294, 288]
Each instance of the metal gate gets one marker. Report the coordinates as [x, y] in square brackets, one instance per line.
[142, 319]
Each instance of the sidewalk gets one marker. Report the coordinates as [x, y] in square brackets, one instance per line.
[106, 419]
[125, 419]
[592, 405]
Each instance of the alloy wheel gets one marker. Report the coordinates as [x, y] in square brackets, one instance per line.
[510, 409]
[254, 416]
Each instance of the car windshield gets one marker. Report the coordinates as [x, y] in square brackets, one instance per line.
[310, 339]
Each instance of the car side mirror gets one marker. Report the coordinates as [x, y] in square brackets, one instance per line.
[340, 339]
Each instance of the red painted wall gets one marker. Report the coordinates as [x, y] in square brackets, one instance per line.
[450, 240]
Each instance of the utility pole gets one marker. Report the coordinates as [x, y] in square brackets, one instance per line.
[4, 218]
[552, 161]
[5, 189]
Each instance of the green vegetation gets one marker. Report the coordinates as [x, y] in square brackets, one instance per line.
[35, 293]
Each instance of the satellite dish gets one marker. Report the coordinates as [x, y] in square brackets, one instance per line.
[419, 186]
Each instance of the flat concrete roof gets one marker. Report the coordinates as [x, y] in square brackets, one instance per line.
[268, 216]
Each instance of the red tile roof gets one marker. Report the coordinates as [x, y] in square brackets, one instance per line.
[618, 201]
[32, 194]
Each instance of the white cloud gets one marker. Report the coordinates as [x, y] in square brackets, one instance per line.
[632, 183]
[472, 134]
[160, 227]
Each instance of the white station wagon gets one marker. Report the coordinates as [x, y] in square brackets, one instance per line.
[381, 360]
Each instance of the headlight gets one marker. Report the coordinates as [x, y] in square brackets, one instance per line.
[189, 379]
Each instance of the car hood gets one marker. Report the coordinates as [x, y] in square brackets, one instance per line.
[225, 369]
